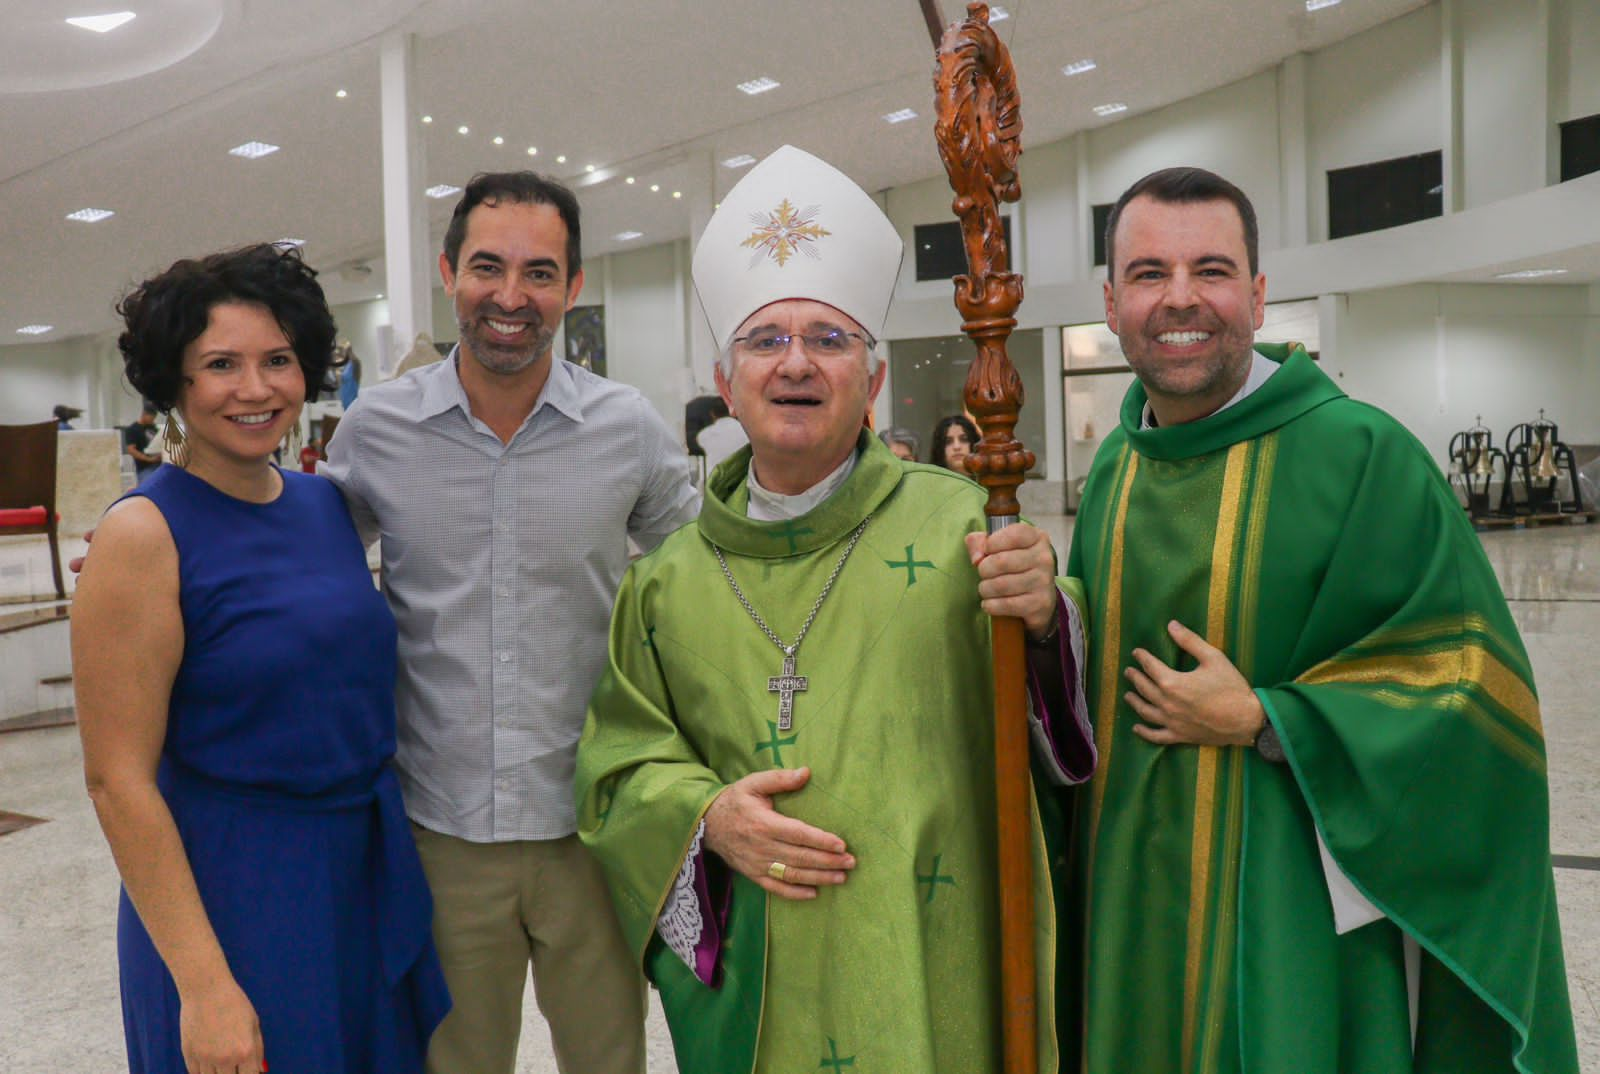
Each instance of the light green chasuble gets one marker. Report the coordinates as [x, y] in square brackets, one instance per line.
[895, 970]
[1313, 540]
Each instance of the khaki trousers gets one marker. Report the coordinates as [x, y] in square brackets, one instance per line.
[496, 908]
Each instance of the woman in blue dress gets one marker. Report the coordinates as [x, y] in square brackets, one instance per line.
[234, 668]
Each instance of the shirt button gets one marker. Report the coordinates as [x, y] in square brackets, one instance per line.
[504, 657]
[503, 591]
[503, 784]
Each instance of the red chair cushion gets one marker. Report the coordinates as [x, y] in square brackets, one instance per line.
[22, 516]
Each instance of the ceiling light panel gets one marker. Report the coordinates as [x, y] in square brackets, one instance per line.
[758, 85]
[743, 160]
[1079, 67]
[1318, 5]
[1110, 109]
[34, 329]
[442, 190]
[1530, 274]
[254, 150]
[628, 236]
[289, 244]
[997, 14]
[102, 24]
[900, 116]
[91, 216]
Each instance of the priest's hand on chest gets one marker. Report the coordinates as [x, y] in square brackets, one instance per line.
[785, 856]
[1212, 705]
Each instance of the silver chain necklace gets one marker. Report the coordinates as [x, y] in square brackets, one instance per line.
[788, 683]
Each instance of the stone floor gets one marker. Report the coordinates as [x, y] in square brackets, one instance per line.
[58, 993]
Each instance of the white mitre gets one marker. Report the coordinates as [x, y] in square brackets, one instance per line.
[796, 227]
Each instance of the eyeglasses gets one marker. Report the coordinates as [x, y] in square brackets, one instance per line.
[833, 343]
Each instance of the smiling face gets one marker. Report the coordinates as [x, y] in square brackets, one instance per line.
[510, 285]
[242, 387]
[1184, 304]
[802, 414]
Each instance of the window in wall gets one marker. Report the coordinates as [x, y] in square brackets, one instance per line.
[1580, 147]
[1098, 215]
[927, 378]
[1387, 193]
[940, 253]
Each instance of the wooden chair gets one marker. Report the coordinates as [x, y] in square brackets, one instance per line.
[28, 487]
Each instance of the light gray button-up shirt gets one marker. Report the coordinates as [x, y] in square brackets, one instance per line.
[501, 562]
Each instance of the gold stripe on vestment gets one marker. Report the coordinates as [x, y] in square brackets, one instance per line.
[1205, 789]
[1462, 667]
[1255, 537]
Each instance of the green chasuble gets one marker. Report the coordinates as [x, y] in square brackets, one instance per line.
[894, 971]
[1313, 540]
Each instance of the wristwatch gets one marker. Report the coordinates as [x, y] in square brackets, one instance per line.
[1267, 744]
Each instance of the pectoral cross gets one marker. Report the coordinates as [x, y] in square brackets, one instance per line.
[786, 686]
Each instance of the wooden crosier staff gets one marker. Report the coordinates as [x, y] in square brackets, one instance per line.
[979, 131]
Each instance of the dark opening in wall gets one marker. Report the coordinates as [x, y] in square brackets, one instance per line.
[1098, 215]
[1580, 147]
[940, 253]
[1386, 193]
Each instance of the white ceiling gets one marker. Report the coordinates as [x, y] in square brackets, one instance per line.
[139, 120]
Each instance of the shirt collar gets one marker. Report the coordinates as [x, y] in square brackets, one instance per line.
[1261, 367]
[768, 506]
[442, 390]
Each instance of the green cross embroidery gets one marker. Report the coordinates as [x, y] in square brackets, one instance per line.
[832, 1059]
[790, 531]
[776, 744]
[911, 564]
[650, 638]
[605, 810]
[935, 878]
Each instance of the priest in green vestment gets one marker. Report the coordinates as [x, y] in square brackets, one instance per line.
[788, 767]
[1318, 837]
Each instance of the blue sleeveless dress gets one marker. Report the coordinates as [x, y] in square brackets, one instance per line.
[276, 767]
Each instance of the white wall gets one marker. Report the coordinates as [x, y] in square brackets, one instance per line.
[1503, 99]
[1579, 23]
[1372, 97]
[35, 377]
[1437, 356]
[644, 300]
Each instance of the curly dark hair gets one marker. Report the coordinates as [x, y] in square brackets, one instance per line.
[943, 427]
[167, 312]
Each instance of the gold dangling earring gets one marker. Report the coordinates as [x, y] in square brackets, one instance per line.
[174, 442]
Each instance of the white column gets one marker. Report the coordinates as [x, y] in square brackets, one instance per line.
[410, 260]
[1083, 267]
[1055, 419]
[1558, 74]
[700, 191]
[1450, 57]
[1294, 182]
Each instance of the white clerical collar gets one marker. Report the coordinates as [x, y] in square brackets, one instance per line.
[768, 506]
[1260, 369]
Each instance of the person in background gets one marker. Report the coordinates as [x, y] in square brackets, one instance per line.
[902, 442]
[954, 438]
[65, 415]
[137, 439]
[274, 908]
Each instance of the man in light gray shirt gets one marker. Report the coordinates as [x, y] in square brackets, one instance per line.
[504, 483]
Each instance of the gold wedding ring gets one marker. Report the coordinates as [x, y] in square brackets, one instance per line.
[777, 870]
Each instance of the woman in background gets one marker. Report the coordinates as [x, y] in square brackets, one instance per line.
[953, 440]
[273, 906]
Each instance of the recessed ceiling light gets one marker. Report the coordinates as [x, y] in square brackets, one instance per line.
[997, 14]
[342, 94]
[463, 129]
[289, 244]
[629, 180]
[628, 236]
[758, 85]
[743, 160]
[1110, 109]
[1078, 67]
[102, 24]
[442, 190]
[427, 119]
[91, 216]
[34, 329]
[1530, 274]
[655, 188]
[379, 295]
[499, 140]
[561, 159]
[533, 151]
[677, 193]
[588, 167]
[1318, 5]
[900, 116]
[253, 150]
